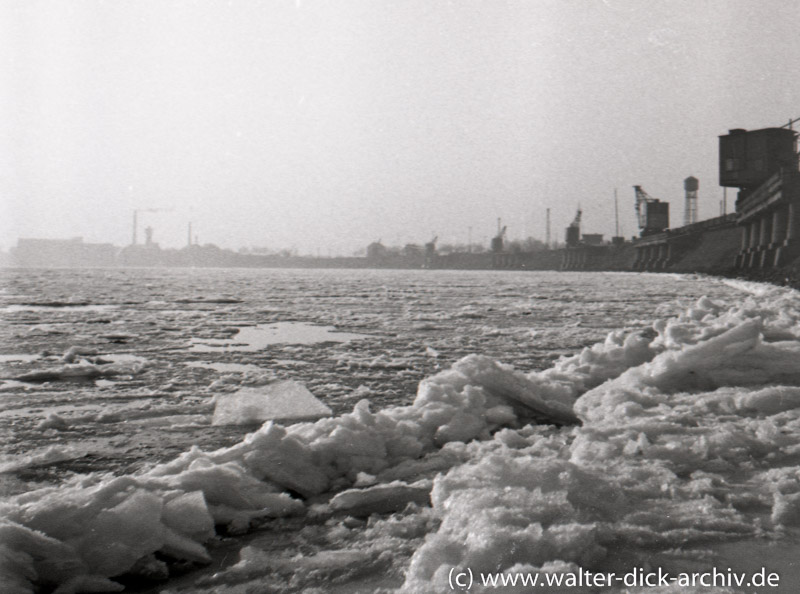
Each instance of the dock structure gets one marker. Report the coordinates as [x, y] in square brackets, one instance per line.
[653, 253]
[713, 238]
[763, 165]
[769, 223]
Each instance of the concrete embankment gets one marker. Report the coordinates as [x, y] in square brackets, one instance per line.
[709, 247]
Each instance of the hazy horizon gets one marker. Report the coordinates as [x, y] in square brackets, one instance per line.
[323, 126]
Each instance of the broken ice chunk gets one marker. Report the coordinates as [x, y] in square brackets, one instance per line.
[382, 499]
[53, 421]
[74, 353]
[284, 460]
[281, 401]
[182, 547]
[187, 514]
[117, 537]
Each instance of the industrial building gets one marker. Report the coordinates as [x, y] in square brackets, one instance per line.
[588, 251]
[762, 233]
[763, 165]
[62, 253]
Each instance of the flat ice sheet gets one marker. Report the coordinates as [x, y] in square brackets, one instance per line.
[284, 401]
[255, 338]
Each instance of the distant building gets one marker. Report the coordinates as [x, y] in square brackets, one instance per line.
[412, 250]
[593, 238]
[376, 250]
[748, 159]
[62, 253]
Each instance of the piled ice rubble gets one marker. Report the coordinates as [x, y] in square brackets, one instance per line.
[82, 533]
[689, 433]
[699, 444]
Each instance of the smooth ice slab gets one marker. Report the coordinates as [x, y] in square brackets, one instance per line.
[255, 338]
[281, 401]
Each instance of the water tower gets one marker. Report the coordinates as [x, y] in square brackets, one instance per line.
[690, 184]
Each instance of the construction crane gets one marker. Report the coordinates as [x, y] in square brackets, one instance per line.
[573, 237]
[430, 247]
[652, 213]
[497, 241]
[136, 212]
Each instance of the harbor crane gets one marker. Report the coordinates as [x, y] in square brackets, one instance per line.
[642, 199]
[576, 222]
[652, 213]
[136, 212]
[573, 236]
[430, 247]
[497, 240]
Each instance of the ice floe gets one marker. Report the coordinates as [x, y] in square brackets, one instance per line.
[254, 338]
[78, 371]
[279, 401]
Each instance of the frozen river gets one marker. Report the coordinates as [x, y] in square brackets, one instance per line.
[671, 434]
[176, 339]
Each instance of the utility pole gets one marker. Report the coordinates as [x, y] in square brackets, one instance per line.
[616, 214]
[547, 236]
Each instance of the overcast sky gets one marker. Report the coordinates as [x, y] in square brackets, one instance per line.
[325, 125]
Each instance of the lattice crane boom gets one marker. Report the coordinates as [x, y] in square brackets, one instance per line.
[642, 198]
